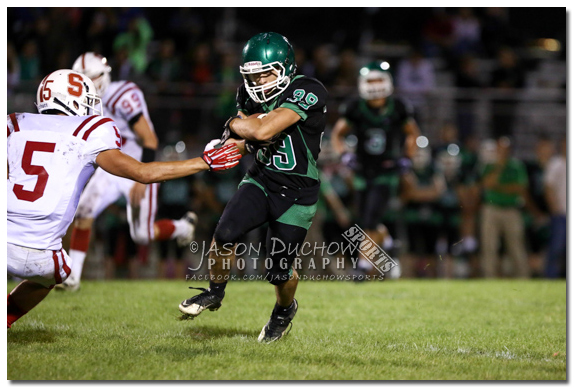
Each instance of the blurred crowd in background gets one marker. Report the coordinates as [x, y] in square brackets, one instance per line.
[488, 86]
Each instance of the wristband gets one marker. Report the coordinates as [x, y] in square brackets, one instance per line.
[148, 155]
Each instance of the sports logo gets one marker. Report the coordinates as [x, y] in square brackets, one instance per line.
[369, 249]
[252, 65]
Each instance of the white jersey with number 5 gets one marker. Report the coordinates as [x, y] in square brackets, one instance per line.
[123, 102]
[50, 159]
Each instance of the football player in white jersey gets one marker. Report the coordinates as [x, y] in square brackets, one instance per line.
[124, 102]
[51, 156]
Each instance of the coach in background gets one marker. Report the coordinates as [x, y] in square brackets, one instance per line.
[504, 185]
[555, 182]
[51, 157]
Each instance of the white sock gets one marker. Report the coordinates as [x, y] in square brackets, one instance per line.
[78, 258]
[181, 228]
[388, 242]
[364, 263]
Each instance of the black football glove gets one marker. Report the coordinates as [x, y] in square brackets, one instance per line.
[227, 132]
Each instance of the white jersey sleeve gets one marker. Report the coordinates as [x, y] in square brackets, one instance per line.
[103, 135]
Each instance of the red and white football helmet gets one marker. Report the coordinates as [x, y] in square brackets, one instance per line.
[68, 92]
[96, 67]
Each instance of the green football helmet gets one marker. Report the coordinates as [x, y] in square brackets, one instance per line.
[375, 81]
[264, 52]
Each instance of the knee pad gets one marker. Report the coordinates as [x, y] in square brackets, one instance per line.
[225, 234]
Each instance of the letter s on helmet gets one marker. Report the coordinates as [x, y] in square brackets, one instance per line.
[96, 67]
[68, 92]
[267, 51]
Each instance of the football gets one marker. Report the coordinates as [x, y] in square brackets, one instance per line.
[257, 116]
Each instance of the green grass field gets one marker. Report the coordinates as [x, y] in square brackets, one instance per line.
[405, 330]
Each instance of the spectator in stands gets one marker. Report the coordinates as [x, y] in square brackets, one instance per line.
[496, 30]
[122, 67]
[135, 41]
[438, 34]
[165, 67]
[201, 66]
[13, 69]
[507, 77]
[468, 192]
[416, 78]
[101, 31]
[537, 215]
[467, 32]
[347, 70]
[504, 184]
[555, 185]
[323, 65]
[304, 65]
[228, 77]
[29, 61]
[466, 77]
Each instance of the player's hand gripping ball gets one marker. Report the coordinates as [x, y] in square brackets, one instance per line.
[221, 158]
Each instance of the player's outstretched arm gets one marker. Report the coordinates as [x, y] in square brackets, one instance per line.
[117, 163]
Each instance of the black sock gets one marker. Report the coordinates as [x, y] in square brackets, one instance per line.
[217, 288]
[284, 310]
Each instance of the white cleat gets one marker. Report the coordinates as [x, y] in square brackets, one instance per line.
[70, 284]
[191, 219]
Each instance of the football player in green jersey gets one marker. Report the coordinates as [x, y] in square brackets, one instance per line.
[281, 119]
[386, 134]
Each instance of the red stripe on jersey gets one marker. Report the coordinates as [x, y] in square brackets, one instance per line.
[8, 128]
[83, 125]
[96, 125]
[14, 122]
[84, 61]
[57, 276]
[65, 267]
[115, 102]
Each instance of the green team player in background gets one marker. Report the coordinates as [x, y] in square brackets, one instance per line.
[386, 134]
[281, 118]
[421, 193]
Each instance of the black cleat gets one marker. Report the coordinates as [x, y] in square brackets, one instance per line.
[195, 305]
[278, 326]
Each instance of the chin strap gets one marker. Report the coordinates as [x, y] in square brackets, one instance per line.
[67, 108]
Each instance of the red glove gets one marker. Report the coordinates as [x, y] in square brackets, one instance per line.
[223, 158]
